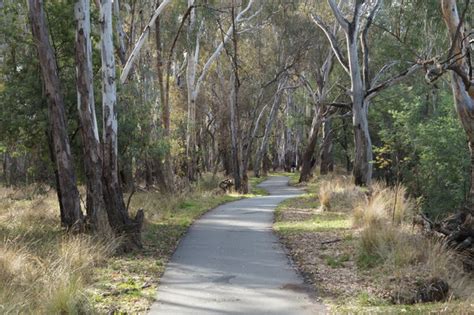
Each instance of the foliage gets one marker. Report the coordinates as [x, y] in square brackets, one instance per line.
[418, 138]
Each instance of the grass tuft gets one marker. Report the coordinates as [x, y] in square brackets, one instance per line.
[338, 194]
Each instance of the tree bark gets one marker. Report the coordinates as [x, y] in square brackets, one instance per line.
[461, 81]
[362, 171]
[69, 195]
[191, 70]
[235, 135]
[167, 181]
[241, 183]
[95, 206]
[307, 159]
[118, 216]
[121, 50]
[327, 158]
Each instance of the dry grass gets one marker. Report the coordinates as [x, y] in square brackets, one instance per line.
[44, 271]
[339, 194]
[386, 204]
[52, 281]
[380, 255]
[388, 240]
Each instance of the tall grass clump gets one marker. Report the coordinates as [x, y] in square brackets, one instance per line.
[384, 219]
[388, 205]
[50, 282]
[339, 194]
[42, 270]
[389, 240]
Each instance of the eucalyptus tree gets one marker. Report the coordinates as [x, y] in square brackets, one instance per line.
[459, 62]
[356, 63]
[93, 162]
[163, 69]
[194, 79]
[321, 112]
[71, 214]
[118, 216]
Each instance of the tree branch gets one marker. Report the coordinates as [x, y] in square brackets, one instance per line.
[332, 40]
[390, 82]
[138, 46]
[219, 48]
[365, 47]
[339, 16]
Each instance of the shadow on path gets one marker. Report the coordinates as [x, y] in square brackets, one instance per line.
[230, 262]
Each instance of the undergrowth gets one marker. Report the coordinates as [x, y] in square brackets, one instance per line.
[392, 257]
[45, 271]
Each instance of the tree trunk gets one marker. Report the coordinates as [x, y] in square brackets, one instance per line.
[461, 81]
[266, 164]
[307, 159]
[121, 51]
[248, 147]
[118, 216]
[268, 129]
[289, 152]
[69, 195]
[234, 115]
[362, 171]
[362, 168]
[191, 69]
[167, 181]
[95, 207]
[56, 174]
[235, 134]
[327, 158]
[345, 144]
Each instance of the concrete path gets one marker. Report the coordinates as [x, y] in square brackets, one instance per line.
[230, 262]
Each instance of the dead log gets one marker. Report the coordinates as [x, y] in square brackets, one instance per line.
[226, 185]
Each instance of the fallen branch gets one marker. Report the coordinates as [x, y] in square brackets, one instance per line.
[331, 241]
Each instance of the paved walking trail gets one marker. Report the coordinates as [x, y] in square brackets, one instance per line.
[230, 262]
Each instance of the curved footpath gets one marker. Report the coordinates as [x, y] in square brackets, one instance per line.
[230, 262]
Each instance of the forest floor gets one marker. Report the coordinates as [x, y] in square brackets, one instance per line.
[44, 271]
[325, 246]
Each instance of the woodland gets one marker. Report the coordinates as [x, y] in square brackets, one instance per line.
[122, 121]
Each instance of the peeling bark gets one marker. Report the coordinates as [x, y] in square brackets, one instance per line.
[68, 194]
[463, 93]
[118, 215]
[95, 206]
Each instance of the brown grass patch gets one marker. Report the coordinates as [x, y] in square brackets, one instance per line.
[362, 268]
